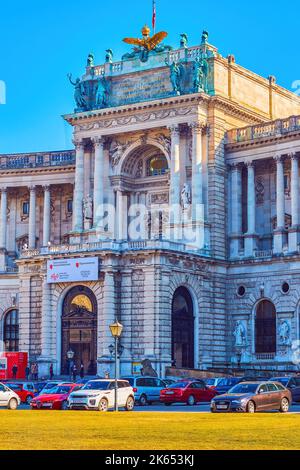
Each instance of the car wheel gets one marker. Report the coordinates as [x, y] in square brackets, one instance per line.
[129, 404]
[191, 400]
[103, 405]
[28, 400]
[64, 405]
[251, 407]
[12, 404]
[284, 405]
[143, 400]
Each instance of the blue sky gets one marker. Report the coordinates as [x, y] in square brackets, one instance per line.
[40, 42]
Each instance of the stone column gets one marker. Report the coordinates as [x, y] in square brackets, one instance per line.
[32, 218]
[175, 174]
[78, 188]
[121, 215]
[197, 173]
[236, 211]
[3, 216]
[294, 230]
[106, 316]
[46, 320]
[280, 206]
[46, 216]
[98, 182]
[250, 236]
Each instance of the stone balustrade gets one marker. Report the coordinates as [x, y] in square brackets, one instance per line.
[37, 160]
[270, 129]
[113, 246]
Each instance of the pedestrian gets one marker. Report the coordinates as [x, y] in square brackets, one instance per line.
[81, 373]
[32, 371]
[27, 372]
[36, 372]
[14, 371]
[51, 371]
[74, 372]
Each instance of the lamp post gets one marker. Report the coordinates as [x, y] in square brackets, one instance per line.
[70, 356]
[116, 331]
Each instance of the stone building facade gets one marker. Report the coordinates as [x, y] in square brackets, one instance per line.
[163, 141]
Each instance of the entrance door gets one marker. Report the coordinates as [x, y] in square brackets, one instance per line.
[79, 330]
[182, 329]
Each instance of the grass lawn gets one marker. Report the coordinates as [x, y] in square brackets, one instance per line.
[150, 431]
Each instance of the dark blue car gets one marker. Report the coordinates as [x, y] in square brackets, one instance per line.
[226, 384]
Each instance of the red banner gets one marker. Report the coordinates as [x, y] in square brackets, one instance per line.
[11, 359]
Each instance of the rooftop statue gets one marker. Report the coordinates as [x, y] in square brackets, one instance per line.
[90, 60]
[200, 71]
[109, 56]
[176, 75]
[101, 97]
[146, 44]
[79, 93]
[183, 40]
[204, 39]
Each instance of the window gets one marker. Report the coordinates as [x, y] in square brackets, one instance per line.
[25, 208]
[263, 388]
[265, 328]
[272, 388]
[157, 165]
[285, 288]
[70, 206]
[11, 331]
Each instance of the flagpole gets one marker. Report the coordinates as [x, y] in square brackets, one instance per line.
[154, 15]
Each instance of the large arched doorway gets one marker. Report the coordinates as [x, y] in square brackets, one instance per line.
[11, 331]
[182, 329]
[265, 327]
[79, 329]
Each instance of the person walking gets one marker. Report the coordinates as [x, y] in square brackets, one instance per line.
[51, 371]
[81, 373]
[27, 372]
[32, 371]
[14, 371]
[74, 372]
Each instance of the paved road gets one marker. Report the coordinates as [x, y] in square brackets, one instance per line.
[202, 408]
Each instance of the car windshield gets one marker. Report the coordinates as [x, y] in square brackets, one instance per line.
[129, 379]
[244, 388]
[282, 380]
[59, 389]
[49, 386]
[95, 385]
[223, 382]
[179, 385]
[211, 381]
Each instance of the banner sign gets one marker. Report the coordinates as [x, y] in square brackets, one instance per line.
[72, 270]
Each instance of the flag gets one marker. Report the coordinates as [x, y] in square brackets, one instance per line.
[154, 15]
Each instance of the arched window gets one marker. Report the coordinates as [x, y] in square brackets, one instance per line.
[157, 165]
[182, 329]
[11, 331]
[265, 327]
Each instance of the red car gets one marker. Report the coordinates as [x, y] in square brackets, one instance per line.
[55, 398]
[187, 392]
[24, 390]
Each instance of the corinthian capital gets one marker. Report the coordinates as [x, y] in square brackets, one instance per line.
[197, 127]
[174, 129]
[78, 143]
[278, 159]
[98, 140]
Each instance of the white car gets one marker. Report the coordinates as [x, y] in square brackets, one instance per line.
[8, 398]
[100, 395]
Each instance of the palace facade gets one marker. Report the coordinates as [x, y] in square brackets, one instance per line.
[164, 140]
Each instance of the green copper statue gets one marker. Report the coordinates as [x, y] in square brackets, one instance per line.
[101, 97]
[183, 40]
[200, 71]
[176, 73]
[79, 93]
[109, 56]
[90, 60]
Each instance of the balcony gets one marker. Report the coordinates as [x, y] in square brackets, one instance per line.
[265, 356]
[277, 128]
[114, 246]
[37, 160]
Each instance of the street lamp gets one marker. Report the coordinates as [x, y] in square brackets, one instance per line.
[116, 331]
[70, 356]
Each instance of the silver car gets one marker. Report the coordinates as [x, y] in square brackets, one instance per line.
[8, 398]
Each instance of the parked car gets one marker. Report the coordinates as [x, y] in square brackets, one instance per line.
[291, 383]
[8, 398]
[187, 392]
[51, 384]
[25, 391]
[226, 383]
[253, 396]
[100, 395]
[146, 389]
[212, 381]
[168, 382]
[56, 398]
[39, 387]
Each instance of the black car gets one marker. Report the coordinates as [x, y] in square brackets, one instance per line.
[292, 383]
[226, 383]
